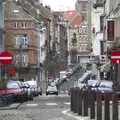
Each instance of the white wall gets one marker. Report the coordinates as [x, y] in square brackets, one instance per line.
[97, 36]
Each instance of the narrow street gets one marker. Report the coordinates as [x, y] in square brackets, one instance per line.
[41, 108]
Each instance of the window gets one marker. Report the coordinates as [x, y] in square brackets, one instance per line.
[101, 23]
[25, 60]
[102, 47]
[21, 60]
[74, 39]
[21, 41]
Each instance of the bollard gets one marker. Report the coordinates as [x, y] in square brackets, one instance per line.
[74, 100]
[77, 99]
[115, 107]
[107, 97]
[85, 103]
[71, 98]
[99, 106]
[92, 104]
[80, 103]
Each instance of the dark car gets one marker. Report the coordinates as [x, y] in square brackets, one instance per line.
[52, 90]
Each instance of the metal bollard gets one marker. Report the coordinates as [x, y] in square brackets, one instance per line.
[107, 97]
[115, 107]
[77, 100]
[92, 104]
[80, 103]
[99, 106]
[85, 103]
[71, 98]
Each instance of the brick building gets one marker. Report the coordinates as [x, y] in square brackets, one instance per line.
[21, 39]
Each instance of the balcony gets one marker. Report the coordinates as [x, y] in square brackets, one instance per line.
[20, 48]
[99, 3]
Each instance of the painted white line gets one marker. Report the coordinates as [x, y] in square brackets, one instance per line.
[5, 58]
[73, 115]
[31, 105]
[67, 103]
[50, 104]
[115, 57]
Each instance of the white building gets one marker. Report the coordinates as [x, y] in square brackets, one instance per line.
[98, 28]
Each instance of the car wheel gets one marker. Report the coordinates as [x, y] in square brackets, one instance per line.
[46, 93]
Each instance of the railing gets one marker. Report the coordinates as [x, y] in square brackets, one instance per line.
[105, 106]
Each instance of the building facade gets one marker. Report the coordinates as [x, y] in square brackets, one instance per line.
[98, 28]
[83, 8]
[73, 36]
[2, 32]
[21, 39]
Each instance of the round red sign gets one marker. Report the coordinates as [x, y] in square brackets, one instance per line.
[5, 58]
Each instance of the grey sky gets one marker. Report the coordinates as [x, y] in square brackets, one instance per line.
[61, 5]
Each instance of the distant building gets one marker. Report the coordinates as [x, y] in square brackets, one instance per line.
[83, 8]
[61, 41]
[74, 21]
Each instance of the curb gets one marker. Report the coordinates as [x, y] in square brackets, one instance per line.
[74, 115]
[12, 106]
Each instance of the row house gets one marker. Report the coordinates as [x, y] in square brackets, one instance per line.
[83, 8]
[74, 21]
[23, 37]
[112, 22]
[98, 27]
[58, 43]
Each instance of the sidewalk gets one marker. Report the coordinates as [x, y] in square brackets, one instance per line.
[74, 116]
[11, 106]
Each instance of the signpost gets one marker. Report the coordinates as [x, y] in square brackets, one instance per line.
[5, 58]
[115, 56]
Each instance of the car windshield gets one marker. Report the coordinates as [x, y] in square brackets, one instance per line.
[106, 84]
[13, 86]
[54, 88]
[92, 82]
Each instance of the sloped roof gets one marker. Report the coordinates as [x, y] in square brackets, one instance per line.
[68, 15]
[76, 22]
[100, 1]
[73, 18]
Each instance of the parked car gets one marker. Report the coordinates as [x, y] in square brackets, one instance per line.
[88, 75]
[15, 88]
[52, 90]
[35, 89]
[28, 91]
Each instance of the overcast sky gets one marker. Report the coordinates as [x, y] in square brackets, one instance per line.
[61, 5]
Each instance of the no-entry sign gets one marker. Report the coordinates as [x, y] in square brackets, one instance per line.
[115, 56]
[5, 58]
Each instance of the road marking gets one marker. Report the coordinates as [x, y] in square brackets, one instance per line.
[31, 105]
[56, 119]
[66, 112]
[67, 103]
[50, 104]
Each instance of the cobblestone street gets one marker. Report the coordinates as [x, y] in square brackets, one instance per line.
[42, 108]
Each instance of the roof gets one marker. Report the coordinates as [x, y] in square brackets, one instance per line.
[100, 1]
[73, 18]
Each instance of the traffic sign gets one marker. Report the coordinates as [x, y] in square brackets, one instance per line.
[5, 58]
[115, 56]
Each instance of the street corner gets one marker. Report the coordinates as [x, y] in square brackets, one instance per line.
[11, 106]
[74, 116]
